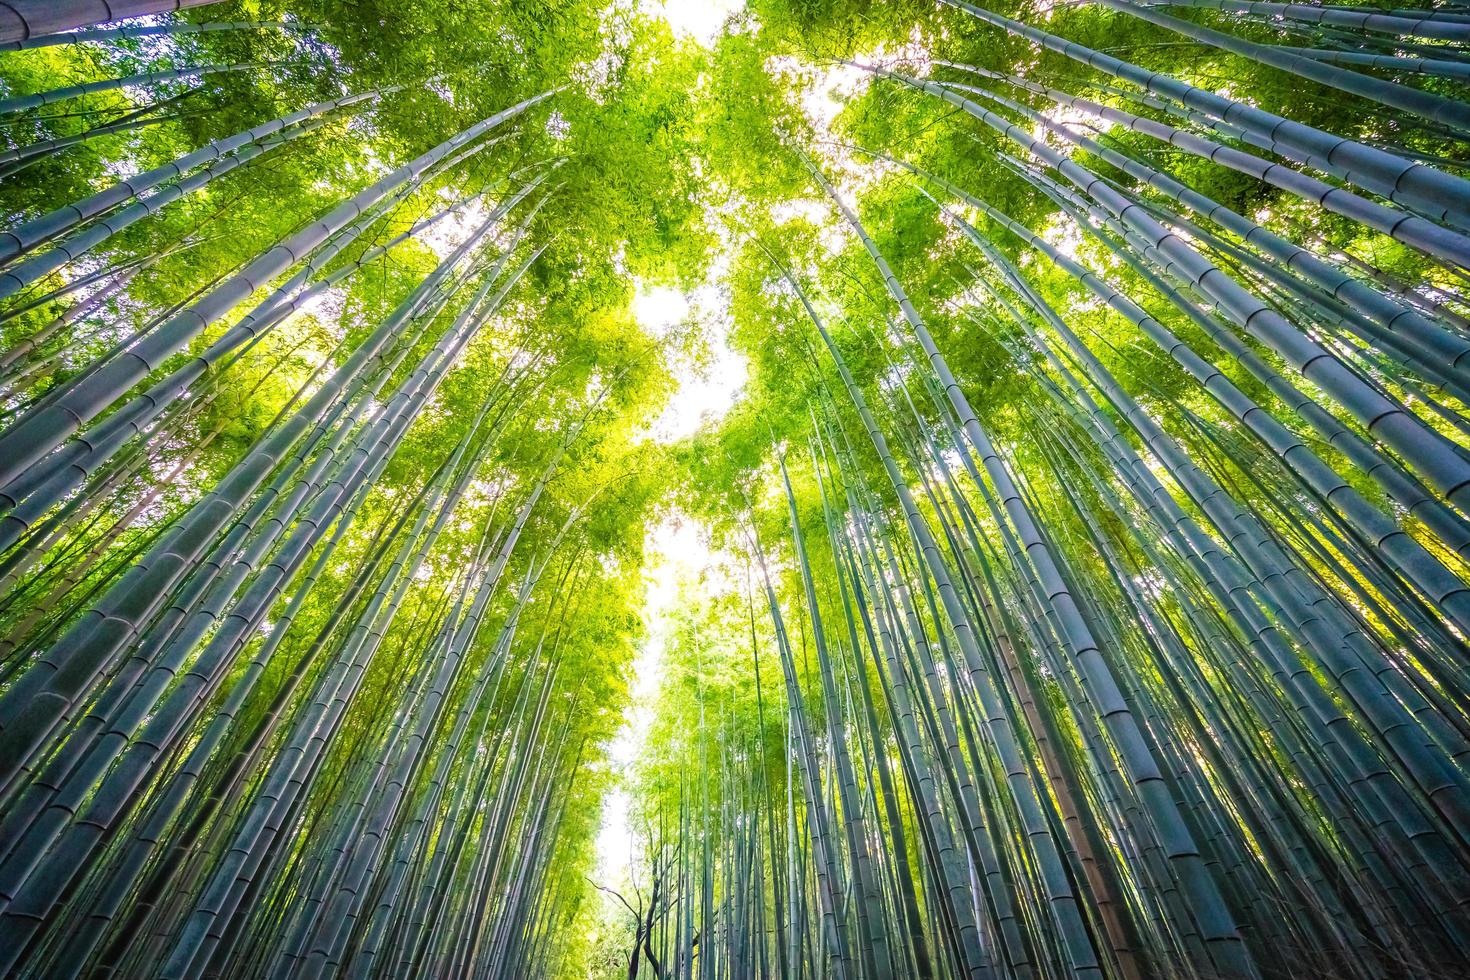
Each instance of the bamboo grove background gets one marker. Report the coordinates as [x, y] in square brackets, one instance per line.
[1088, 580]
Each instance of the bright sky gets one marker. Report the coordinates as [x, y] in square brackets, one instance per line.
[675, 549]
[699, 19]
[677, 552]
[704, 394]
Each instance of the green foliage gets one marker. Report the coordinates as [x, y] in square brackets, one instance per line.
[665, 161]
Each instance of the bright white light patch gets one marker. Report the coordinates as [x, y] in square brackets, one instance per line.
[705, 393]
[702, 399]
[677, 552]
[699, 19]
[658, 308]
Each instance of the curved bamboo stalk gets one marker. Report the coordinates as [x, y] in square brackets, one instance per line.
[1436, 194]
[99, 35]
[23, 20]
[1419, 23]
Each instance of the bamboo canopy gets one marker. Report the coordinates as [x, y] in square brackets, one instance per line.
[784, 490]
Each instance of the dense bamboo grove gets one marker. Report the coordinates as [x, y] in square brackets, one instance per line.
[1084, 578]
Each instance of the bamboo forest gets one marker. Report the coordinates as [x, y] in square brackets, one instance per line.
[722, 489]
